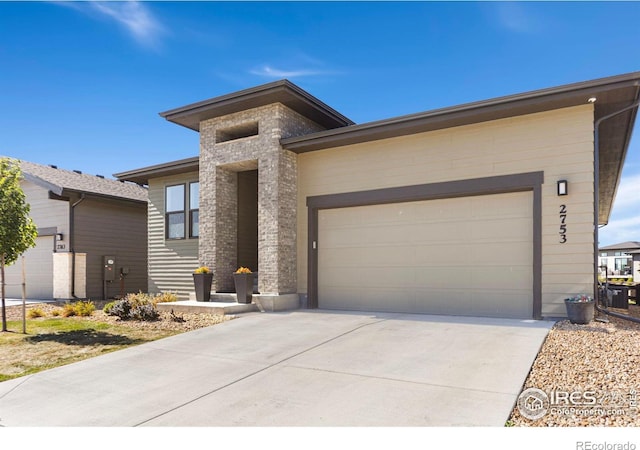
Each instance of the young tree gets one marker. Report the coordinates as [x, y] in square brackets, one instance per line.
[17, 231]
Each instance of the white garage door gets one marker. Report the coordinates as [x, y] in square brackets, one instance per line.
[463, 256]
[38, 269]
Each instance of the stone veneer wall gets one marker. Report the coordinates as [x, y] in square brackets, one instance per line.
[277, 195]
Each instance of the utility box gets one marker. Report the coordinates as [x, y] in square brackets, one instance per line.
[109, 265]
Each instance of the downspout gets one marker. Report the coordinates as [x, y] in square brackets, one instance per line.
[71, 244]
[596, 209]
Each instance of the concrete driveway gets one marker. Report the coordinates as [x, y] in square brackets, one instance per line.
[302, 368]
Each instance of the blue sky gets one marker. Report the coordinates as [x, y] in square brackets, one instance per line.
[81, 83]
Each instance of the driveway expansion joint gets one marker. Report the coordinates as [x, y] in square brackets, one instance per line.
[269, 366]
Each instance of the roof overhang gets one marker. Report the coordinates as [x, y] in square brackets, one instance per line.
[282, 91]
[142, 176]
[612, 94]
[43, 183]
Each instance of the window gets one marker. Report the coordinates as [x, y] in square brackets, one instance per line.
[194, 212]
[174, 212]
[621, 265]
[177, 213]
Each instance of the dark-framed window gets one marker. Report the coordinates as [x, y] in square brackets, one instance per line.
[194, 209]
[175, 225]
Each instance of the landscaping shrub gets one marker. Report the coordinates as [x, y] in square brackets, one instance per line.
[79, 308]
[56, 312]
[34, 313]
[164, 297]
[107, 308]
[146, 312]
[140, 306]
[84, 309]
[121, 309]
[141, 298]
[67, 310]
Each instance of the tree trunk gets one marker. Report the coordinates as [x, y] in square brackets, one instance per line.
[4, 312]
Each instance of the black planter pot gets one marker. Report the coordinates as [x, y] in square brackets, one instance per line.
[244, 286]
[202, 282]
[579, 312]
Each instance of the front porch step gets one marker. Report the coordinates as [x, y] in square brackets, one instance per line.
[219, 297]
[213, 307]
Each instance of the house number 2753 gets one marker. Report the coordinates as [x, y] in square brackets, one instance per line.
[563, 224]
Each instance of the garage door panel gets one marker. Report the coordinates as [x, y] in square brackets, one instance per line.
[485, 230]
[440, 254]
[501, 277]
[512, 304]
[377, 255]
[38, 270]
[468, 256]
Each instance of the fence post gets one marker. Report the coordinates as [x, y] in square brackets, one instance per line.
[24, 299]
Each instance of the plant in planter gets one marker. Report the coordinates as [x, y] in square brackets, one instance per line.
[202, 279]
[580, 309]
[243, 279]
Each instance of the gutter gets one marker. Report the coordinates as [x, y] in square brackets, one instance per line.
[596, 209]
[71, 243]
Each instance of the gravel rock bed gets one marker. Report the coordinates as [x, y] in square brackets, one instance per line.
[601, 362]
[166, 322]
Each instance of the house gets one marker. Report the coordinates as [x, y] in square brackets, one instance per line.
[617, 260]
[481, 209]
[81, 219]
[635, 254]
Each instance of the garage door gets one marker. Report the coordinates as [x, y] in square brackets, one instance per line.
[38, 269]
[463, 256]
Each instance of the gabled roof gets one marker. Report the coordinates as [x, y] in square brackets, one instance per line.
[282, 91]
[61, 182]
[630, 245]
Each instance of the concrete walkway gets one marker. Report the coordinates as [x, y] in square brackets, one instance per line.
[302, 368]
[18, 302]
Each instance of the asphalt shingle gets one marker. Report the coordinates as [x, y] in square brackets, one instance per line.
[81, 182]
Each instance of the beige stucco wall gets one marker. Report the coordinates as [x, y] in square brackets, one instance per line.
[559, 143]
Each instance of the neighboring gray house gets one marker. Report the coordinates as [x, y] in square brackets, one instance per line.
[618, 259]
[484, 209]
[635, 254]
[80, 219]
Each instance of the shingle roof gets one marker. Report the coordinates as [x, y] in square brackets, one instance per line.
[623, 246]
[59, 180]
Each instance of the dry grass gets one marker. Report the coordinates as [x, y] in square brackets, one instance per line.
[53, 341]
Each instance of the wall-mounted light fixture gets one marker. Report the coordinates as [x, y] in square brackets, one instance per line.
[563, 188]
[59, 237]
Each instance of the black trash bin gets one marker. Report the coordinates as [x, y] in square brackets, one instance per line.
[620, 298]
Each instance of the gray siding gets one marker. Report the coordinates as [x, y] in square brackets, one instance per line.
[105, 227]
[47, 213]
[171, 262]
